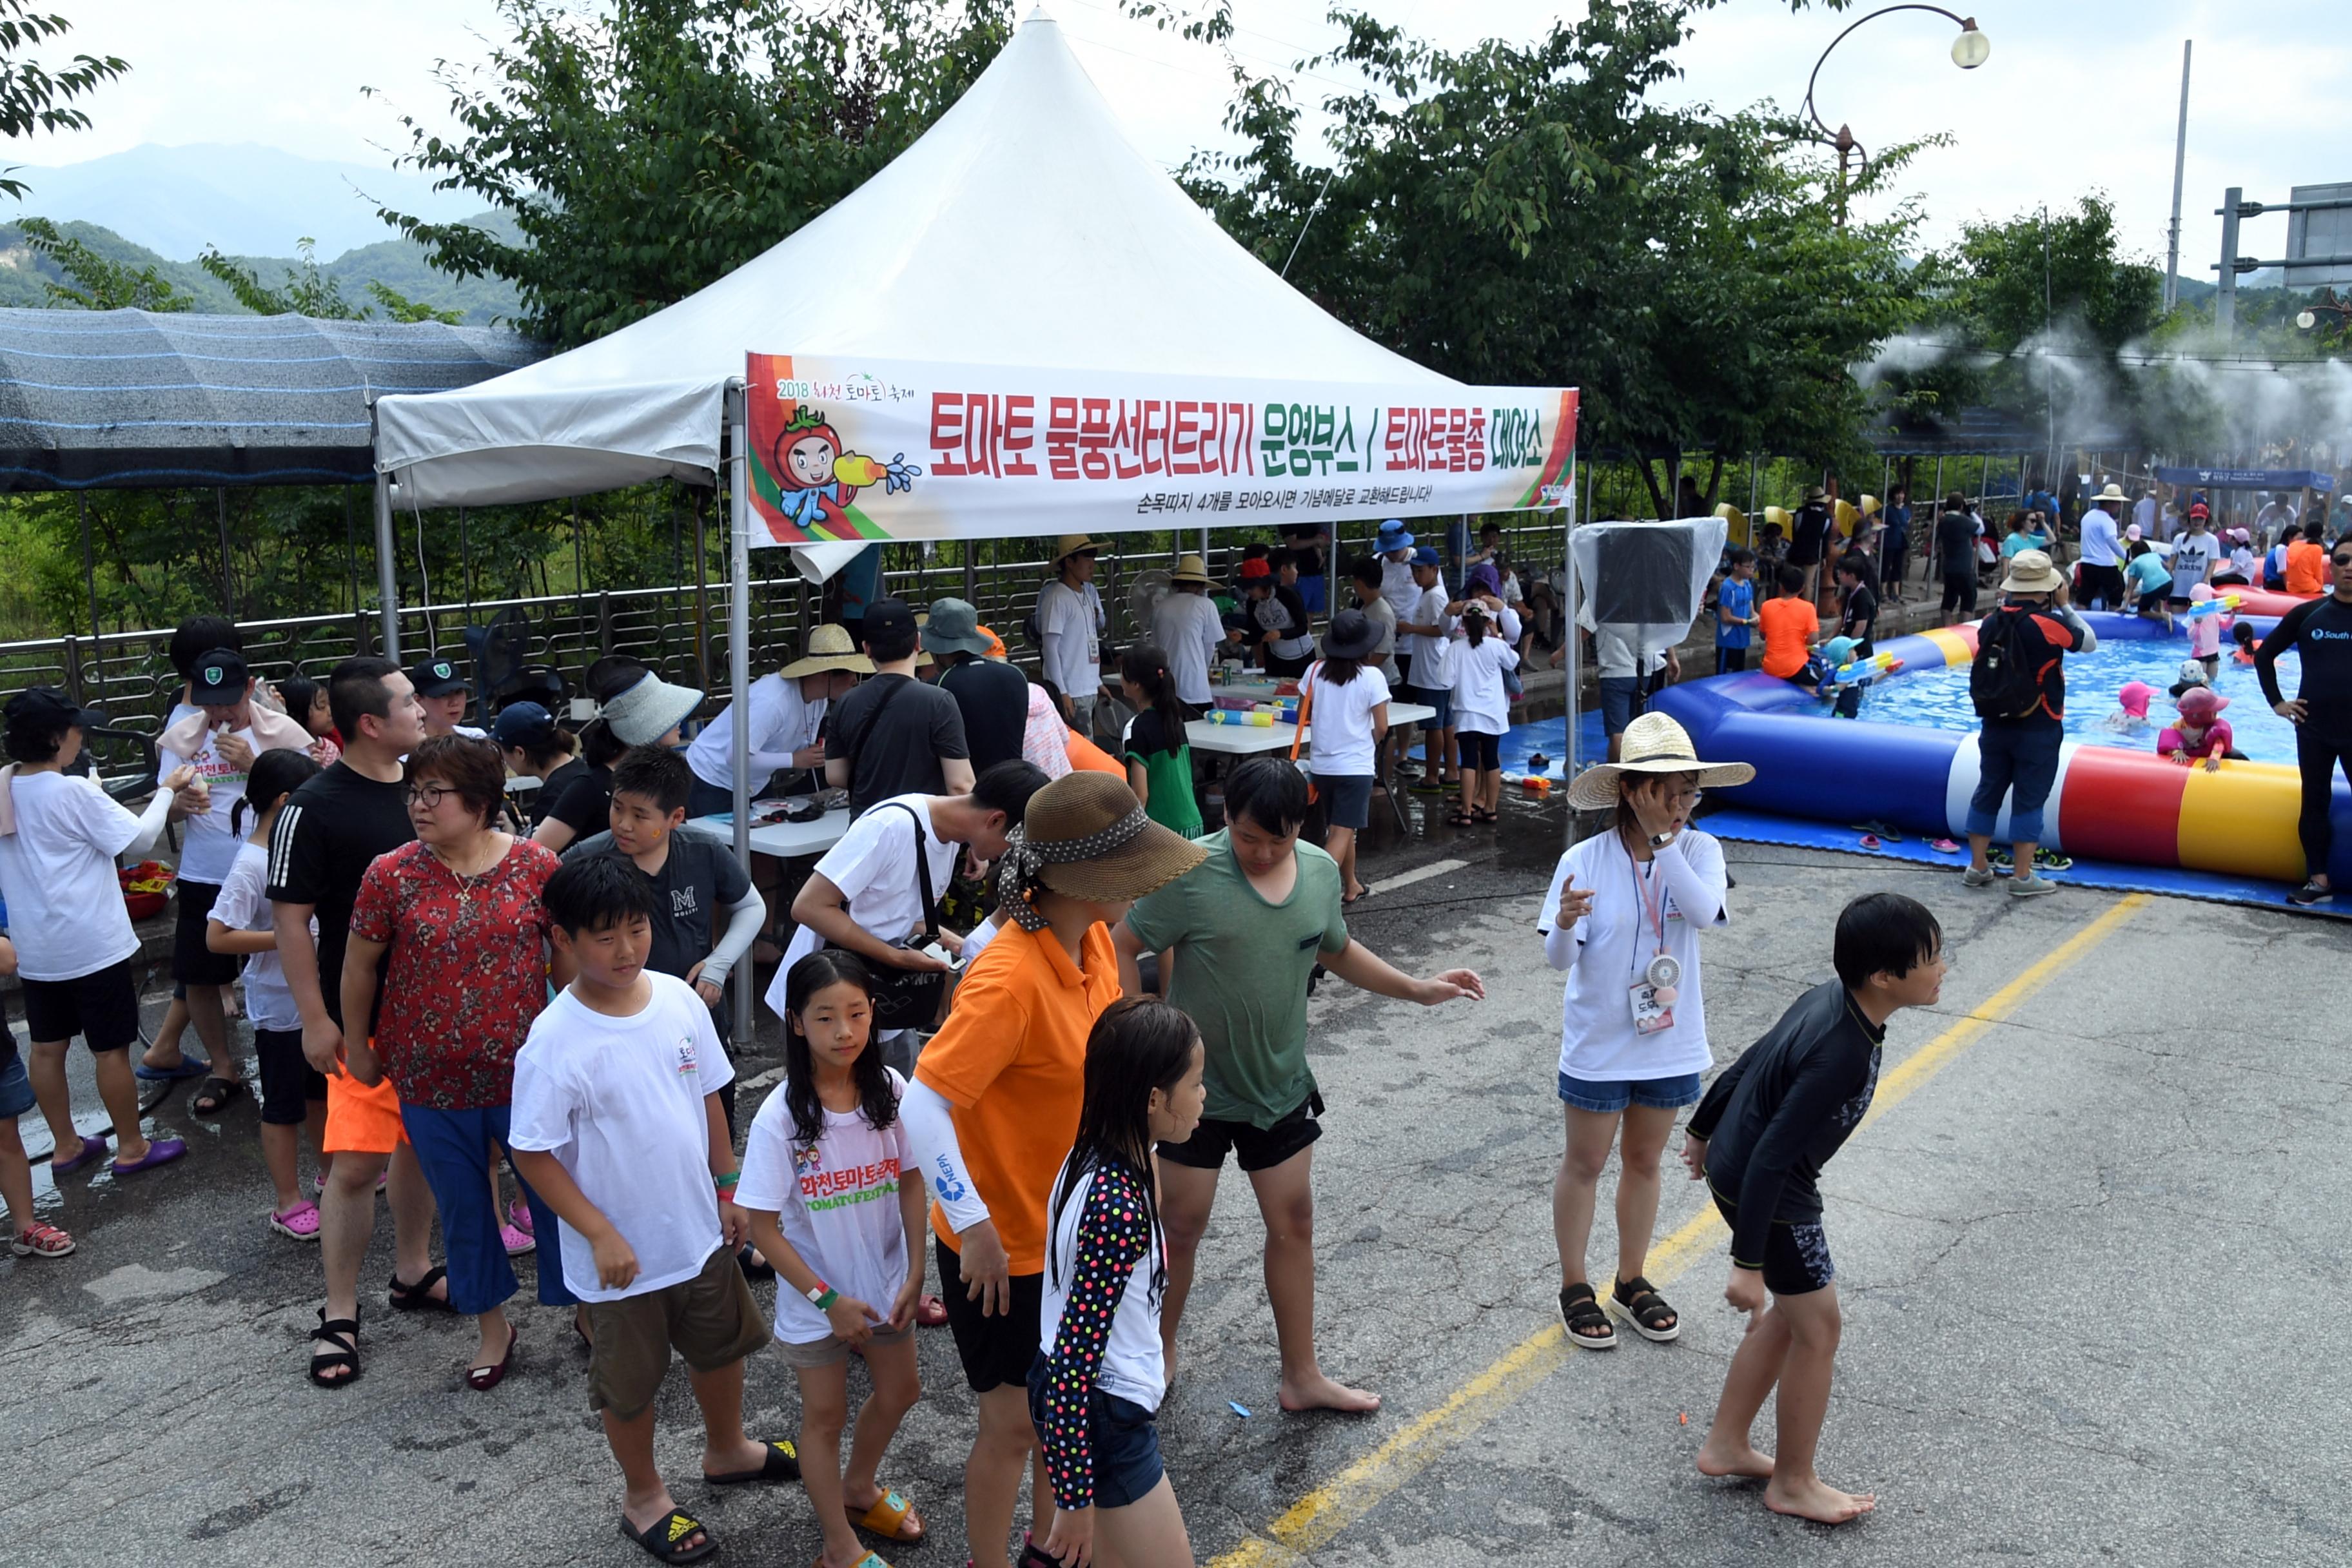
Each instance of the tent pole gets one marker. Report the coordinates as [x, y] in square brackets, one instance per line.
[387, 581]
[739, 657]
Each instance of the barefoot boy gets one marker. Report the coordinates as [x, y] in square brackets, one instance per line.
[1760, 1139]
[617, 1125]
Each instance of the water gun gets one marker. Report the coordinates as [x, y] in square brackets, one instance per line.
[1866, 669]
[2226, 604]
[1236, 716]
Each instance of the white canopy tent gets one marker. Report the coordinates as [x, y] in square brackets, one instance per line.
[1023, 229]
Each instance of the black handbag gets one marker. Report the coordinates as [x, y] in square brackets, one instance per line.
[909, 998]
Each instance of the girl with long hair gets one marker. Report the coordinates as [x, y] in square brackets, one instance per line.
[1159, 761]
[1100, 1372]
[836, 1204]
[1482, 708]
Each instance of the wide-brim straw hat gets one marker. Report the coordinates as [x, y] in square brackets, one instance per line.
[2114, 492]
[2031, 571]
[829, 649]
[1815, 492]
[649, 710]
[1192, 569]
[1071, 544]
[1085, 835]
[1652, 743]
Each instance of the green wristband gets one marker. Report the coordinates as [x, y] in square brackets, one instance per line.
[825, 1304]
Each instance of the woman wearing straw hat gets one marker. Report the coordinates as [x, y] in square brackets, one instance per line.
[1187, 628]
[1069, 628]
[786, 709]
[1622, 920]
[994, 1108]
[2018, 683]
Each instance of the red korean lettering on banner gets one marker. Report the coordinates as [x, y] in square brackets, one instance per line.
[982, 433]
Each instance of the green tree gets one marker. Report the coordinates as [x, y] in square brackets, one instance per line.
[307, 290]
[93, 282]
[651, 148]
[32, 96]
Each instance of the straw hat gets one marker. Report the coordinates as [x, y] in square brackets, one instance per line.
[649, 710]
[1815, 492]
[2030, 571]
[2114, 492]
[829, 647]
[1071, 544]
[1085, 835]
[1192, 569]
[1652, 743]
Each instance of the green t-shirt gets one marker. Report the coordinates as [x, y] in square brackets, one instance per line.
[1241, 972]
[1168, 771]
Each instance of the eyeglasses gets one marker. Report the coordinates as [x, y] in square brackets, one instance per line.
[1686, 796]
[430, 795]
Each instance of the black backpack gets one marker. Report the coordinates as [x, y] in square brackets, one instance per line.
[2003, 681]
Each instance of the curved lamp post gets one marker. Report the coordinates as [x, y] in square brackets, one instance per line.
[2327, 304]
[1969, 50]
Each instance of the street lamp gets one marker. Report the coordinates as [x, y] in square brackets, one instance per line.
[1969, 50]
[2327, 304]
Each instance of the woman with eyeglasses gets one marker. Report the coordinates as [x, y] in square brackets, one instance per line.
[2320, 631]
[1621, 921]
[453, 924]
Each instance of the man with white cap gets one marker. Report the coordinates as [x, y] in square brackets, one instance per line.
[1187, 629]
[1069, 628]
[2102, 558]
[787, 709]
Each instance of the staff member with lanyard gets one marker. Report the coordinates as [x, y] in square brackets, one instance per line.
[2320, 630]
[1622, 920]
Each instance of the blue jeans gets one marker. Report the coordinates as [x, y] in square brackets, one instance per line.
[1620, 698]
[456, 1147]
[2021, 757]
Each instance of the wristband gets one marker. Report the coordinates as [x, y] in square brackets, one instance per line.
[728, 1179]
[824, 1297]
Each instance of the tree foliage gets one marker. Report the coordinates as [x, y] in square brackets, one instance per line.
[310, 289]
[647, 151]
[94, 282]
[32, 96]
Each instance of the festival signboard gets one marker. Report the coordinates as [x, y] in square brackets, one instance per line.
[846, 448]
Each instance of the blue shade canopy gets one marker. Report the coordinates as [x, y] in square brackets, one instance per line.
[2248, 478]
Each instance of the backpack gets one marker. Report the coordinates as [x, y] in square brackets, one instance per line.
[2003, 682]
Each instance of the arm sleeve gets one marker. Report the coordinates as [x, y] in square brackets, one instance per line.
[2283, 636]
[1694, 872]
[1561, 943]
[932, 1135]
[140, 834]
[744, 918]
[1508, 624]
[1821, 1083]
[1113, 1235]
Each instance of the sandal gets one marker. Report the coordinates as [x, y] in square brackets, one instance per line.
[92, 1148]
[893, 1517]
[1480, 815]
[41, 1240]
[299, 1223]
[1460, 819]
[419, 1297]
[213, 1095]
[341, 1338]
[1579, 1313]
[1644, 1310]
[482, 1379]
[661, 1538]
[782, 1462]
[931, 1312]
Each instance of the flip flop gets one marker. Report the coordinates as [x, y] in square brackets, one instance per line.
[780, 1462]
[1944, 846]
[160, 1152]
[661, 1538]
[1871, 841]
[92, 1148]
[190, 1067]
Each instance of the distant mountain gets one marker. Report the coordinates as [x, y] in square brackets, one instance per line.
[246, 199]
[396, 263]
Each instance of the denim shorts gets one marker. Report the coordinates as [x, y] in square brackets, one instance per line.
[1609, 1095]
[1620, 695]
[1347, 798]
[1438, 697]
[1125, 1440]
[16, 1092]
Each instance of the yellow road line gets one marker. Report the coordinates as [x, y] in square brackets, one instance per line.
[1323, 1512]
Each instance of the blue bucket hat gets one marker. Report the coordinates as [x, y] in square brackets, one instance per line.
[1392, 536]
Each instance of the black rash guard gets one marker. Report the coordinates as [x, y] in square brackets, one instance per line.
[2320, 631]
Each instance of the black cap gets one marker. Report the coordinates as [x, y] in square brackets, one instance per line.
[889, 621]
[47, 708]
[218, 678]
[523, 724]
[435, 676]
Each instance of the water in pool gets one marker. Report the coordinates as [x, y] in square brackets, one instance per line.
[1939, 698]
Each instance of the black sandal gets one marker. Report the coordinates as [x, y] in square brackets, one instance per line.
[780, 1461]
[214, 1095]
[1460, 819]
[1480, 815]
[1579, 1312]
[342, 1334]
[1644, 1310]
[661, 1538]
[419, 1297]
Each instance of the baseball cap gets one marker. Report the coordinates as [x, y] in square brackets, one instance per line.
[46, 707]
[1427, 556]
[523, 724]
[218, 678]
[889, 621]
[435, 676]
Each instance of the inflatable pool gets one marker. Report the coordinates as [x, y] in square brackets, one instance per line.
[2109, 803]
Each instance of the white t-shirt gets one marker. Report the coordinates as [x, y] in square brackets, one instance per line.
[1427, 653]
[57, 872]
[874, 864]
[1398, 587]
[2193, 555]
[1069, 621]
[619, 1103]
[2143, 514]
[782, 722]
[210, 844]
[1187, 629]
[1133, 1367]
[1614, 945]
[1481, 706]
[242, 906]
[1340, 718]
[1613, 646]
[836, 1200]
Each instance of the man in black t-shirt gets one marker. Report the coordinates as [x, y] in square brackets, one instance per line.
[894, 736]
[1955, 553]
[1809, 538]
[992, 696]
[331, 830]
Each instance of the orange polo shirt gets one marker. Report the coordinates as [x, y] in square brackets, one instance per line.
[2307, 568]
[1013, 1061]
[1790, 627]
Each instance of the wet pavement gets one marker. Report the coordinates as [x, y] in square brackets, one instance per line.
[2091, 1265]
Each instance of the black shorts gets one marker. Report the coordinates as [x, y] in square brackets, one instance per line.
[1123, 1435]
[1796, 1256]
[1960, 588]
[1255, 1148]
[193, 963]
[2104, 583]
[1480, 751]
[290, 1084]
[996, 1351]
[101, 1007]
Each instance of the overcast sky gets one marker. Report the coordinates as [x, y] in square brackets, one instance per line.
[2078, 93]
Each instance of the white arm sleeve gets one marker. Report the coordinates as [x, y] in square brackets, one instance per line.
[930, 1132]
[743, 921]
[1562, 938]
[1695, 876]
[151, 822]
[765, 713]
[2081, 627]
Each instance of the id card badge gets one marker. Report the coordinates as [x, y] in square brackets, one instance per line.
[1651, 1014]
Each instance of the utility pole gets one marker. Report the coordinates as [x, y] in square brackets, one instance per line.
[2180, 160]
[2225, 304]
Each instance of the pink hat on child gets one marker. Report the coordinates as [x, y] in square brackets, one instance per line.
[2135, 697]
[2200, 591]
[2200, 705]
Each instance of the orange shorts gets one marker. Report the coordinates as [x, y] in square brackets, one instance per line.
[360, 1120]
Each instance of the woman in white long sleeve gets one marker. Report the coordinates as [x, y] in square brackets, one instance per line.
[1621, 921]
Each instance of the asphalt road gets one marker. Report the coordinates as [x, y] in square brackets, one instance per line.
[2091, 1267]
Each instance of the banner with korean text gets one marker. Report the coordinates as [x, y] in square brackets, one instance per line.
[844, 448]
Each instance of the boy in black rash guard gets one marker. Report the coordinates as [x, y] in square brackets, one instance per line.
[1759, 1140]
[2321, 712]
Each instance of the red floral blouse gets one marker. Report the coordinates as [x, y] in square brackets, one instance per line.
[465, 974]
